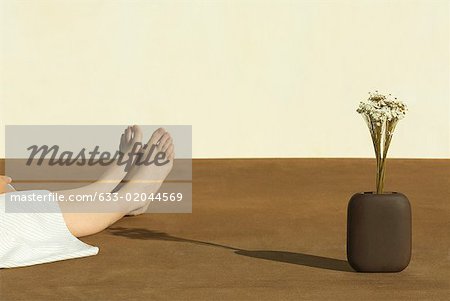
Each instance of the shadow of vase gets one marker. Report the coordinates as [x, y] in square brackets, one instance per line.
[299, 259]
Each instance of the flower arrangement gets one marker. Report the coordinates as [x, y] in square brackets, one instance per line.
[381, 114]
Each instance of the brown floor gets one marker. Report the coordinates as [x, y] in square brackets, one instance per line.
[260, 230]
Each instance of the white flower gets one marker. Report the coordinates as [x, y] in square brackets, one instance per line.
[379, 108]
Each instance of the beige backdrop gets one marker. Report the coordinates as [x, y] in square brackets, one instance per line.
[254, 78]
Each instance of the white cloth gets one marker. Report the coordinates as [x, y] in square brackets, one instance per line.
[34, 233]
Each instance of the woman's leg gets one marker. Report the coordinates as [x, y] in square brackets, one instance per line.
[140, 179]
[74, 213]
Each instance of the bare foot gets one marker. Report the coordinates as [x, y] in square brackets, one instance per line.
[131, 136]
[151, 167]
[130, 141]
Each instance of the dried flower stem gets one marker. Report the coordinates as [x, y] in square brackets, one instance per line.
[381, 114]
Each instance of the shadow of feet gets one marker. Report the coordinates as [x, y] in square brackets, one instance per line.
[280, 256]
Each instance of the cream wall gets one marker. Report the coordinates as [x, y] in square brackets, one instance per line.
[254, 78]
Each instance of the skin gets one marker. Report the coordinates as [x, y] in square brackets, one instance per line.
[4, 187]
[139, 179]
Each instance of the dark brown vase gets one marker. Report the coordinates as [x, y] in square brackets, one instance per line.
[379, 232]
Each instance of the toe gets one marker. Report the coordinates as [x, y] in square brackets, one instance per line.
[166, 145]
[128, 134]
[164, 141]
[170, 150]
[137, 131]
[156, 136]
